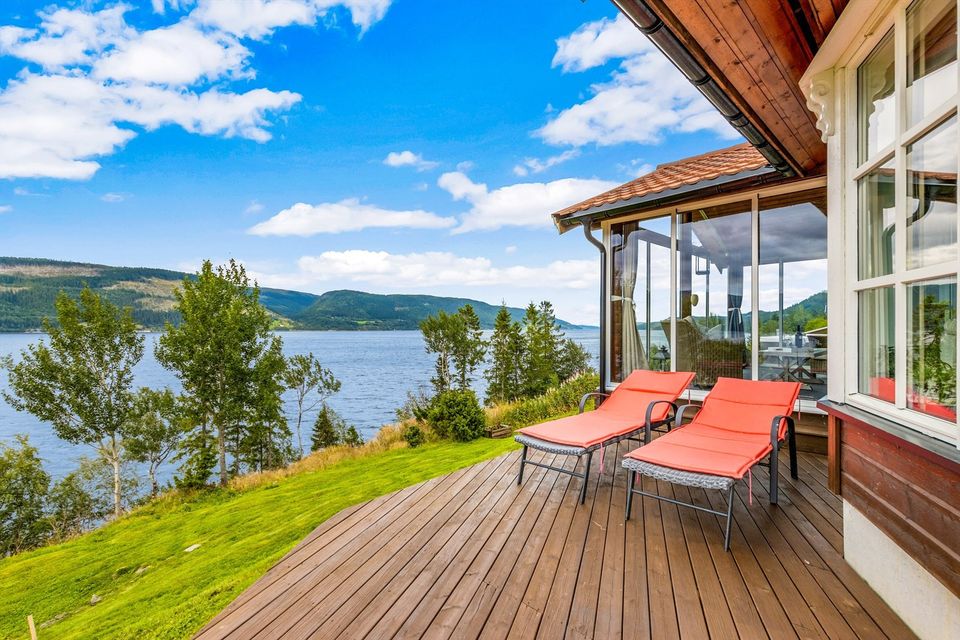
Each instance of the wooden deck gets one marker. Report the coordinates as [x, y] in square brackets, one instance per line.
[471, 555]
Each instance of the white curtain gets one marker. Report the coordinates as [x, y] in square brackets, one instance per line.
[633, 354]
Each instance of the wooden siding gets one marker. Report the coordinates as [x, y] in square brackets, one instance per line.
[471, 555]
[912, 496]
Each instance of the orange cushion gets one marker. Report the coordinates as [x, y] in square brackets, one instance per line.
[583, 430]
[623, 412]
[747, 406]
[705, 450]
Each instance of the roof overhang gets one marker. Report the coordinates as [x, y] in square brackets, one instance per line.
[747, 58]
[685, 193]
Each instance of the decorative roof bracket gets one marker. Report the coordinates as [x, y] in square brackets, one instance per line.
[820, 100]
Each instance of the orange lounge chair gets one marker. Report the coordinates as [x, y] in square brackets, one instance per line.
[740, 423]
[644, 401]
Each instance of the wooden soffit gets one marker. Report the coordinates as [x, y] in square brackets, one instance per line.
[756, 51]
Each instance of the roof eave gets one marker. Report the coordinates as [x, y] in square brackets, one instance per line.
[660, 198]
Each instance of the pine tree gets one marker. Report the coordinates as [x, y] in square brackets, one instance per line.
[541, 341]
[572, 359]
[350, 436]
[324, 433]
[506, 355]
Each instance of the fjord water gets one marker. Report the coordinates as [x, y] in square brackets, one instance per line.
[377, 369]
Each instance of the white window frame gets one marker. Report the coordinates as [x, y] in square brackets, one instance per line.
[847, 176]
[803, 405]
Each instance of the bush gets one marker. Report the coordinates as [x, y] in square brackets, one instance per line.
[413, 436]
[457, 414]
[556, 401]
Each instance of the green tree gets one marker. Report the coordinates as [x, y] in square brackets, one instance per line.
[457, 414]
[72, 508]
[311, 383]
[80, 378]
[326, 432]
[350, 436]
[572, 359]
[468, 348]
[506, 356]
[542, 339]
[226, 359]
[439, 336]
[23, 490]
[156, 429]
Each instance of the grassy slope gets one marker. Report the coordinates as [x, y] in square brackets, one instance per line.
[241, 535]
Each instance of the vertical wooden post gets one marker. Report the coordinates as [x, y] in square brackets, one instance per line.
[834, 426]
[33, 628]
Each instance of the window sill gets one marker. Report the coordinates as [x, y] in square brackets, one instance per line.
[855, 415]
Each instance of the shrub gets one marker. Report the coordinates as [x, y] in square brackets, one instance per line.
[413, 436]
[457, 414]
[555, 401]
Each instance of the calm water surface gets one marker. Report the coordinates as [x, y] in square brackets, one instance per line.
[377, 369]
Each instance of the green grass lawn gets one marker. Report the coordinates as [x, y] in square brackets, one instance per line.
[241, 534]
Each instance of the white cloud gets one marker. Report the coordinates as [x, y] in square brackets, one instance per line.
[179, 55]
[635, 168]
[259, 18]
[113, 197]
[5, 208]
[595, 43]
[465, 166]
[510, 249]
[98, 75]
[645, 98]
[253, 207]
[527, 204]
[21, 191]
[347, 215]
[408, 159]
[439, 268]
[535, 165]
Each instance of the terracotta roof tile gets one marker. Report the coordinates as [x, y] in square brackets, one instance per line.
[729, 161]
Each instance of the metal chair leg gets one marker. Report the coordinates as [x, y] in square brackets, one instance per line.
[792, 444]
[774, 479]
[631, 481]
[726, 535]
[586, 479]
[523, 460]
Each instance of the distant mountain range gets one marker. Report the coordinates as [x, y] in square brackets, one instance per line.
[29, 287]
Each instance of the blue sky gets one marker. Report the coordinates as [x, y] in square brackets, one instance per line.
[387, 146]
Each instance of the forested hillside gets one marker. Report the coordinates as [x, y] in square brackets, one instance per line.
[29, 287]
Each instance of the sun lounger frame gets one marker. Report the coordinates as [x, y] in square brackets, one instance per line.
[711, 481]
[647, 429]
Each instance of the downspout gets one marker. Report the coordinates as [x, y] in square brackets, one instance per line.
[588, 234]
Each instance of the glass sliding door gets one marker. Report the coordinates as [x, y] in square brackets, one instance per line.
[714, 259]
[640, 297]
[793, 290]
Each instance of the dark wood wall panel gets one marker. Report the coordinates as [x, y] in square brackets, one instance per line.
[912, 496]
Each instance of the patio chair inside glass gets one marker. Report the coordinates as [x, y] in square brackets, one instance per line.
[646, 400]
[741, 423]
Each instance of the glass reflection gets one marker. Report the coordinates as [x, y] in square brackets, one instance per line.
[932, 192]
[932, 353]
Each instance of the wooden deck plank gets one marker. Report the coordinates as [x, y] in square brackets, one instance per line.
[384, 574]
[472, 555]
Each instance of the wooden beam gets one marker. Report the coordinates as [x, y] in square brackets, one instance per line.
[833, 454]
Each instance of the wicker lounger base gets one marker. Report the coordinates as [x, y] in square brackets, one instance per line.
[686, 478]
[546, 446]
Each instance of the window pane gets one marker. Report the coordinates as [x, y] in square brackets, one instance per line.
[932, 356]
[876, 222]
[877, 343]
[875, 102]
[932, 56]
[793, 290]
[932, 191]
[640, 300]
[713, 289]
